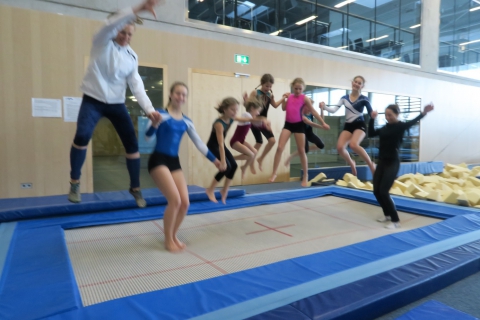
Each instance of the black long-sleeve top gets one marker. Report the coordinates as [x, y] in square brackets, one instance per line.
[391, 136]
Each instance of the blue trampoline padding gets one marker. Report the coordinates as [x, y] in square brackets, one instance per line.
[435, 310]
[244, 294]
[377, 295]
[364, 173]
[6, 234]
[39, 207]
[38, 280]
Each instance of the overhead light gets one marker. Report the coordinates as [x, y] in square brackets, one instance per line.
[131, 97]
[146, 89]
[275, 33]
[417, 25]
[342, 47]
[374, 39]
[134, 99]
[465, 43]
[475, 9]
[153, 87]
[396, 59]
[305, 20]
[344, 3]
[248, 4]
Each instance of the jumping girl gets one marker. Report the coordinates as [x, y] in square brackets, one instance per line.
[164, 164]
[293, 104]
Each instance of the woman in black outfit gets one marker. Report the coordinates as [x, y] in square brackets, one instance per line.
[391, 136]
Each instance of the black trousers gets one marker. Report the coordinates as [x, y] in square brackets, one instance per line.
[313, 138]
[385, 174]
[231, 163]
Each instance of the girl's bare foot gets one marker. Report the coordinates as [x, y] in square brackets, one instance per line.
[180, 244]
[172, 247]
[252, 168]
[259, 160]
[211, 195]
[224, 196]
[304, 183]
[272, 178]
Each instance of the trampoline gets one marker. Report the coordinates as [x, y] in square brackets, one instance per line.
[268, 256]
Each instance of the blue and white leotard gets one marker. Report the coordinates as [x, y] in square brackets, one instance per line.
[353, 110]
[170, 132]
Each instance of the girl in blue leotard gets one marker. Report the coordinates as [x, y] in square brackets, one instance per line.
[164, 164]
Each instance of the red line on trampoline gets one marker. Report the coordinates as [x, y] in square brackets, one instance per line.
[206, 261]
[272, 229]
[217, 260]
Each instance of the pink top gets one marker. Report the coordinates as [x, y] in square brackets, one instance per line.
[294, 108]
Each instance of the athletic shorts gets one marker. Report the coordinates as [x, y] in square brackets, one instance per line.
[296, 127]
[160, 159]
[258, 131]
[356, 125]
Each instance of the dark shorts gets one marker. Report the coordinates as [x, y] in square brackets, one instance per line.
[257, 133]
[160, 159]
[296, 127]
[356, 125]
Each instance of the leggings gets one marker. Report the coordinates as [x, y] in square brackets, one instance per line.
[385, 174]
[313, 138]
[231, 163]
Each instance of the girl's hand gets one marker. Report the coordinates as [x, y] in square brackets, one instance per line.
[245, 97]
[429, 107]
[286, 95]
[149, 5]
[218, 164]
[326, 126]
[374, 114]
[223, 166]
[321, 105]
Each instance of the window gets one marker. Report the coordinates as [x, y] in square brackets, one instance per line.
[387, 29]
[459, 50]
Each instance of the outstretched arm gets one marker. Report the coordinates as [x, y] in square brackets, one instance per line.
[308, 105]
[429, 107]
[199, 144]
[334, 108]
[372, 132]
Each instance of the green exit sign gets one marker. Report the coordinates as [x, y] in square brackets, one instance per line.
[242, 59]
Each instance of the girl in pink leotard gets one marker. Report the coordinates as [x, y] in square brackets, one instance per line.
[253, 108]
[293, 104]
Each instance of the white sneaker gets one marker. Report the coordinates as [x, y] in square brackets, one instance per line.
[393, 225]
[384, 219]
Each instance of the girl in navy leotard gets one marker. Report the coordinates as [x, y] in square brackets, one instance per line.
[253, 108]
[265, 95]
[164, 164]
[355, 128]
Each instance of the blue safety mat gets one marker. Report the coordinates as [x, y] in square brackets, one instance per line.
[39, 207]
[364, 173]
[377, 295]
[237, 295]
[435, 310]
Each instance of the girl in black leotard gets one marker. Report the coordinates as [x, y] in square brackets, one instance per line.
[391, 136]
[265, 95]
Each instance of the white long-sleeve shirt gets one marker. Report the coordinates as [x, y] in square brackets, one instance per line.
[112, 66]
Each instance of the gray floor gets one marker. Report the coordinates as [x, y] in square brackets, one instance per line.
[463, 296]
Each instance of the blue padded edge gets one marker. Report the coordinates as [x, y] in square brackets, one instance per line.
[39, 280]
[40, 207]
[435, 310]
[253, 291]
[364, 173]
[6, 234]
[377, 295]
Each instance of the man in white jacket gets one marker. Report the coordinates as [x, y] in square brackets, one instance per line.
[113, 65]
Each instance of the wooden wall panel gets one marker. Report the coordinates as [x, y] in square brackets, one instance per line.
[43, 56]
